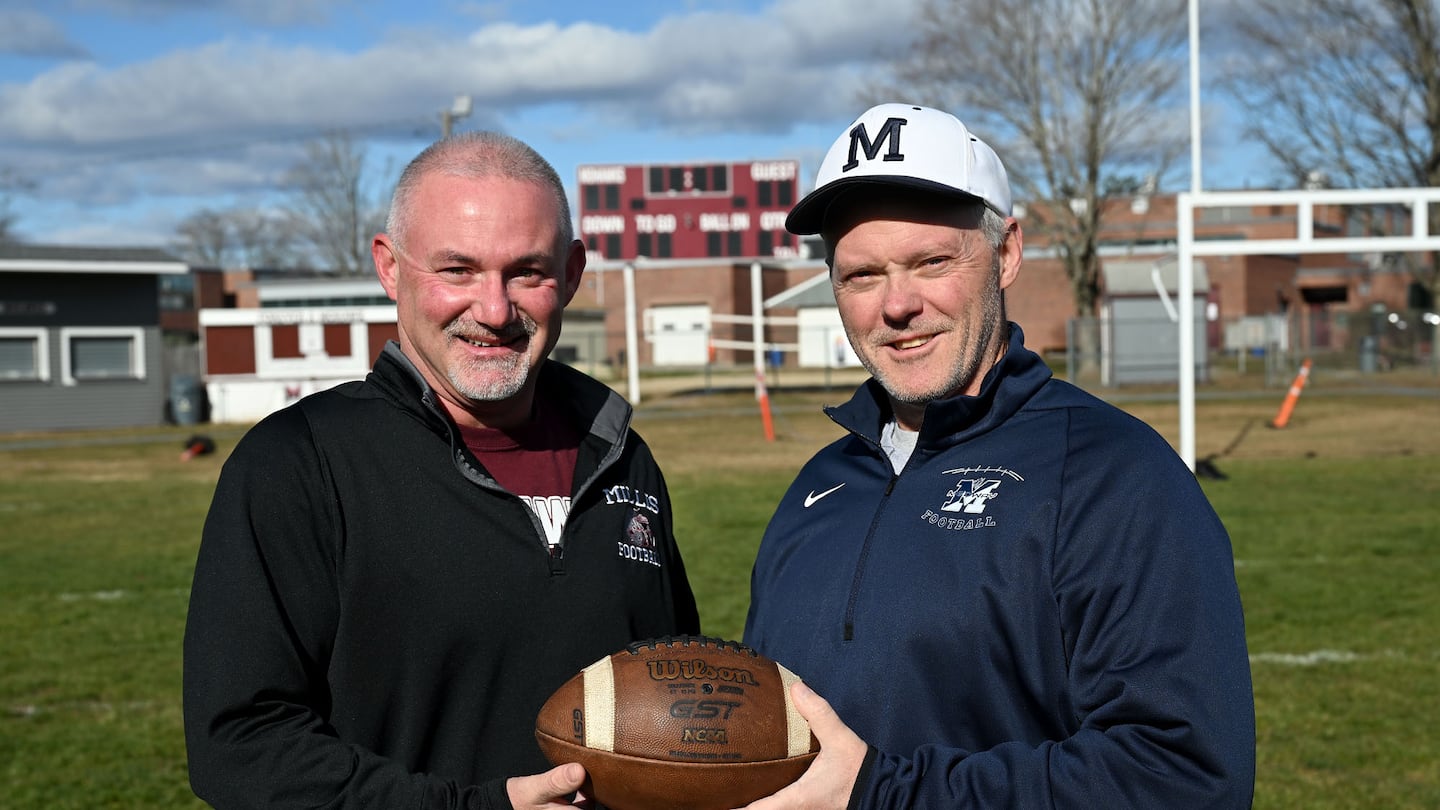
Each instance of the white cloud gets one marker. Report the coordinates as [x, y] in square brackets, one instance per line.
[272, 13]
[208, 106]
[30, 34]
[729, 67]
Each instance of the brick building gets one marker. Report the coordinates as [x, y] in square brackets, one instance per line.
[683, 304]
[1320, 298]
[275, 340]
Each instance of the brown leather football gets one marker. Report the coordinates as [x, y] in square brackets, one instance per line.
[679, 723]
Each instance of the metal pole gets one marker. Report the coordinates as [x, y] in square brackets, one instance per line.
[757, 314]
[1435, 345]
[1186, 309]
[1186, 237]
[1195, 184]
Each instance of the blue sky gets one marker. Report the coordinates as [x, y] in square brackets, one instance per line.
[127, 115]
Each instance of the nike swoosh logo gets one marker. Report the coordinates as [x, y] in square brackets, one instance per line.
[813, 497]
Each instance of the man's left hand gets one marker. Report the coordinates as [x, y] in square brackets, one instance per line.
[551, 790]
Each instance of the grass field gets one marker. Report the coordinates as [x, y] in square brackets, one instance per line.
[1335, 522]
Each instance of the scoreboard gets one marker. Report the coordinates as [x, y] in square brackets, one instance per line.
[689, 210]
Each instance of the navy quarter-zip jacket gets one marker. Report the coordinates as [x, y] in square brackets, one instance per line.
[375, 622]
[1039, 611]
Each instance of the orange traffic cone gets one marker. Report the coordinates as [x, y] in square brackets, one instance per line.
[1288, 406]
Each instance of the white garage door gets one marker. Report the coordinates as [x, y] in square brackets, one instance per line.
[678, 335]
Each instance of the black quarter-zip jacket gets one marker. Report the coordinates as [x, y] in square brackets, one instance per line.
[375, 622]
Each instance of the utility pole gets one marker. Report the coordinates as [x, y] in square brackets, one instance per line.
[458, 109]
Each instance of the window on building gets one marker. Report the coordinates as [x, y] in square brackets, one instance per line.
[102, 354]
[101, 357]
[177, 292]
[24, 354]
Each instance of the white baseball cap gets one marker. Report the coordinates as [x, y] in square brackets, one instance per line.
[905, 145]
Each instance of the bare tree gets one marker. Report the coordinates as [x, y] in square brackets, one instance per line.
[7, 220]
[335, 212]
[11, 184]
[1347, 90]
[1076, 95]
[266, 238]
[239, 237]
[203, 238]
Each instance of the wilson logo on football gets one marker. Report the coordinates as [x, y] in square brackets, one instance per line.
[672, 669]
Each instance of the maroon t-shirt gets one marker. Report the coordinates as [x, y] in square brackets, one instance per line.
[535, 461]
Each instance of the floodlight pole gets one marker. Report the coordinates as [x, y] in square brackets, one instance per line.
[1195, 129]
[458, 109]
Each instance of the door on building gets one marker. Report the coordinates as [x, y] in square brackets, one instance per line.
[822, 339]
[679, 335]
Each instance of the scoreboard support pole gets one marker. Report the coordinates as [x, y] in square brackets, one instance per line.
[632, 340]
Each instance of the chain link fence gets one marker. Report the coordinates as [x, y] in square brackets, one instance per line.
[1376, 344]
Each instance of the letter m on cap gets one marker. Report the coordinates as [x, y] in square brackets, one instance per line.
[860, 141]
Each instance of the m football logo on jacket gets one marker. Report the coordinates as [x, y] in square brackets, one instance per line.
[970, 495]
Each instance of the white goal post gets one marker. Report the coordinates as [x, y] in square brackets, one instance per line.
[1420, 202]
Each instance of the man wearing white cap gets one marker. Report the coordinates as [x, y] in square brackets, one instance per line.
[1011, 593]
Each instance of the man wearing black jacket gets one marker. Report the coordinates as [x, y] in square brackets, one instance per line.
[396, 573]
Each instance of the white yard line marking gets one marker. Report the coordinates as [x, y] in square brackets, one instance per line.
[117, 594]
[1318, 657]
[99, 596]
[27, 710]
[1288, 561]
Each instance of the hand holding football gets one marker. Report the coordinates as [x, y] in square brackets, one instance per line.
[679, 723]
